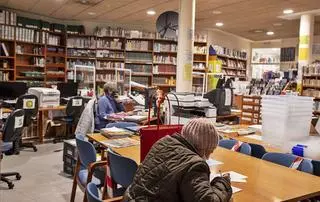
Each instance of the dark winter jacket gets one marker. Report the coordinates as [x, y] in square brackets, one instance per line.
[172, 172]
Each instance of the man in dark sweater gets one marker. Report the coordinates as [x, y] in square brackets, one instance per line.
[175, 169]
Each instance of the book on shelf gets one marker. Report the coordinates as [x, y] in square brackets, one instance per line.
[4, 48]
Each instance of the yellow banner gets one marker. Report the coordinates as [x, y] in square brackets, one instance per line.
[187, 73]
[304, 39]
[303, 53]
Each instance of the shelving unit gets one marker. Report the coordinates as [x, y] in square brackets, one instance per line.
[7, 62]
[250, 110]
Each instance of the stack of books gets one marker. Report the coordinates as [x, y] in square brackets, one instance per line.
[115, 133]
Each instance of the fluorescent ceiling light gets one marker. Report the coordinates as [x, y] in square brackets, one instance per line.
[219, 24]
[91, 13]
[287, 11]
[215, 12]
[151, 12]
[270, 33]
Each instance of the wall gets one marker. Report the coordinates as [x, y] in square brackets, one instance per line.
[217, 37]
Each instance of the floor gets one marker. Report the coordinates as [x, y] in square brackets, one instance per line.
[42, 174]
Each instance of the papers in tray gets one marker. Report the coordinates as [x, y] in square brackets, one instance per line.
[135, 118]
[235, 177]
[120, 143]
[255, 137]
[212, 162]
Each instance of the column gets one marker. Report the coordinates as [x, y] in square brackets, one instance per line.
[305, 45]
[185, 45]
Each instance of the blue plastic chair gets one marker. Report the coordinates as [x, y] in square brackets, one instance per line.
[86, 168]
[287, 160]
[257, 150]
[122, 171]
[121, 124]
[228, 144]
[92, 193]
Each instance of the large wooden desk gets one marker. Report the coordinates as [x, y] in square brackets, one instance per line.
[266, 181]
[41, 124]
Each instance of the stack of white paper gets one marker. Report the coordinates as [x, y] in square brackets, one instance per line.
[212, 162]
[235, 177]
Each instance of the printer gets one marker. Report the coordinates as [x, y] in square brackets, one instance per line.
[185, 99]
[47, 97]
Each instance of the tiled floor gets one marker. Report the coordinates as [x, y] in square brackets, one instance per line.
[42, 177]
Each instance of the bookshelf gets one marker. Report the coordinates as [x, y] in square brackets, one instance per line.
[7, 62]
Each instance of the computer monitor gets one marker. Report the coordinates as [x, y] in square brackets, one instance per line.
[12, 90]
[68, 89]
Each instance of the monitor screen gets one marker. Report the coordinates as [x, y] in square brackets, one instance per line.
[12, 90]
[68, 89]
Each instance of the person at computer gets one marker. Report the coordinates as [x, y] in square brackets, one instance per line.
[107, 105]
[175, 169]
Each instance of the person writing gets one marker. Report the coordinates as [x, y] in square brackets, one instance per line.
[107, 105]
[175, 168]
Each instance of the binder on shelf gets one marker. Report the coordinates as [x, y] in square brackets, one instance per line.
[4, 49]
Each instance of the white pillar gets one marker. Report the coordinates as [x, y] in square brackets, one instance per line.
[305, 44]
[185, 45]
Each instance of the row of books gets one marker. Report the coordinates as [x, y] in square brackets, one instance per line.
[200, 49]
[30, 35]
[3, 50]
[230, 52]
[114, 44]
[165, 59]
[144, 57]
[109, 77]
[198, 37]
[137, 45]
[109, 54]
[81, 42]
[109, 31]
[6, 32]
[71, 64]
[8, 17]
[164, 69]
[54, 39]
[139, 79]
[164, 80]
[139, 68]
[160, 47]
[4, 76]
[81, 53]
[110, 65]
[199, 66]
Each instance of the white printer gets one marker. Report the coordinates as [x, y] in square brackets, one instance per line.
[47, 97]
[185, 99]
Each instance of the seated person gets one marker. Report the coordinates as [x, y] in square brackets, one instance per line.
[107, 105]
[175, 168]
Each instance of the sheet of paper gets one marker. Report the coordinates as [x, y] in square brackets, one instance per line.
[235, 189]
[235, 177]
[114, 130]
[212, 162]
[255, 137]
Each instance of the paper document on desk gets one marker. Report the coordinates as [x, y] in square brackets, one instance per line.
[120, 143]
[135, 118]
[235, 189]
[234, 176]
[255, 137]
[114, 130]
[212, 162]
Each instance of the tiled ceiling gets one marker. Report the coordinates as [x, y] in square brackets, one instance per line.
[240, 17]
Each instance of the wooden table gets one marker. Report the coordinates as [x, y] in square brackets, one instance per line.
[41, 124]
[266, 181]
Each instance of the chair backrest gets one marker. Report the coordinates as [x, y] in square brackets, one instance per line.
[316, 167]
[92, 193]
[228, 144]
[75, 107]
[122, 169]
[121, 124]
[257, 150]
[86, 151]
[13, 126]
[287, 160]
[29, 103]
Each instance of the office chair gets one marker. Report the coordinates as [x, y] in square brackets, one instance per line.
[86, 168]
[11, 135]
[74, 109]
[29, 103]
[257, 150]
[122, 171]
[228, 144]
[287, 160]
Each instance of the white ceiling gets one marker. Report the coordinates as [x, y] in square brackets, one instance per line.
[239, 16]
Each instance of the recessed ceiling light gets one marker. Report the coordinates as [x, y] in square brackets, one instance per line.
[258, 31]
[287, 11]
[151, 12]
[215, 12]
[270, 33]
[219, 24]
[91, 13]
[277, 24]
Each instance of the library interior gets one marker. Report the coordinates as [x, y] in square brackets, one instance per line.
[159, 100]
